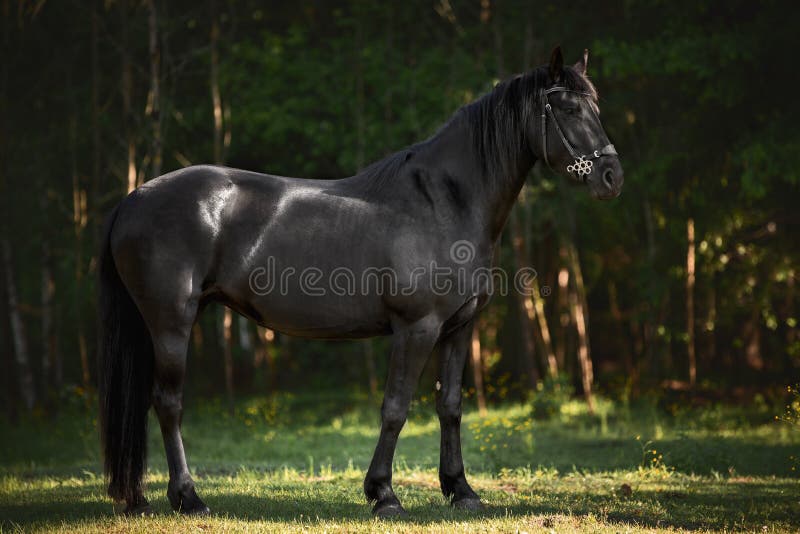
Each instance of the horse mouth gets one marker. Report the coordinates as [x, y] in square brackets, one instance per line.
[603, 193]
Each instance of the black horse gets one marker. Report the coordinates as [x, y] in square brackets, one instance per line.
[209, 233]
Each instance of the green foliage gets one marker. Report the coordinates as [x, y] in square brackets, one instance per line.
[697, 97]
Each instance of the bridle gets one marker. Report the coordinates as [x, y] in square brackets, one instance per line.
[583, 163]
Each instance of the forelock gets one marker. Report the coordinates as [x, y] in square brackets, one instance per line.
[574, 81]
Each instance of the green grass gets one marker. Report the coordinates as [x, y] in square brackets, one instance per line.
[297, 464]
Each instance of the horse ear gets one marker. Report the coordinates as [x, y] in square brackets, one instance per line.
[581, 65]
[556, 64]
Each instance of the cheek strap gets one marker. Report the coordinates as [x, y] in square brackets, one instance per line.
[582, 166]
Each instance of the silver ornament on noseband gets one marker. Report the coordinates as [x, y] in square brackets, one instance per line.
[582, 167]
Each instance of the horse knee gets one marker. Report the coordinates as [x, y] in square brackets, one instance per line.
[449, 410]
[393, 415]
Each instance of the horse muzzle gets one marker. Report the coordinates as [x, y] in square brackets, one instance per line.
[606, 179]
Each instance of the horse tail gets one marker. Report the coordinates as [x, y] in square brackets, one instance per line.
[125, 379]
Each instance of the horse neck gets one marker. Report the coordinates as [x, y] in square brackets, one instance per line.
[490, 196]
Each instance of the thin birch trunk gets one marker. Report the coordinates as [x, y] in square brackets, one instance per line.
[127, 98]
[216, 99]
[198, 341]
[17, 360]
[711, 320]
[79, 221]
[95, 122]
[477, 370]
[267, 337]
[227, 349]
[563, 315]
[649, 333]
[388, 141]
[154, 98]
[690, 277]
[372, 376]
[245, 339]
[525, 307]
[27, 387]
[544, 330]
[48, 324]
[616, 314]
[577, 303]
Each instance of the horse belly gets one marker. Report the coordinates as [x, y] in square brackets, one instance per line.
[323, 317]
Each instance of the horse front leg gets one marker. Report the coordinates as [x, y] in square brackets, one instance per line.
[411, 347]
[453, 357]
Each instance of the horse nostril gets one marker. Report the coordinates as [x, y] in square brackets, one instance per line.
[608, 178]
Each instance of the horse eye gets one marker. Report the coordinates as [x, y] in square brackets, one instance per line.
[571, 111]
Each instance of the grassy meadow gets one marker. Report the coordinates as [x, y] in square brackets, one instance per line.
[296, 463]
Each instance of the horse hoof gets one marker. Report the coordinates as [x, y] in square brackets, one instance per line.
[469, 503]
[138, 510]
[389, 510]
[199, 510]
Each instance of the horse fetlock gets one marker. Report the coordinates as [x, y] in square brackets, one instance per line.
[378, 489]
[139, 508]
[456, 487]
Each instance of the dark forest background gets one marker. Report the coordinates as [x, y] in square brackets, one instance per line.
[687, 282]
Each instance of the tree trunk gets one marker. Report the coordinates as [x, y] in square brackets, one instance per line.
[227, 349]
[25, 376]
[533, 303]
[127, 98]
[525, 307]
[372, 376]
[48, 324]
[544, 330]
[577, 303]
[791, 329]
[267, 338]
[79, 221]
[690, 302]
[388, 141]
[154, 98]
[477, 370]
[751, 334]
[649, 327]
[245, 339]
[95, 124]
[16, 335]
[619, 322]
[216, 99]
[710, 352]
[563, 314]
[198, 339]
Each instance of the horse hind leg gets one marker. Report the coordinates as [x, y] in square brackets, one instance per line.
[170, 333]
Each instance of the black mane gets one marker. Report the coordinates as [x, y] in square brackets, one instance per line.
[496, 123]
[497, 119]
